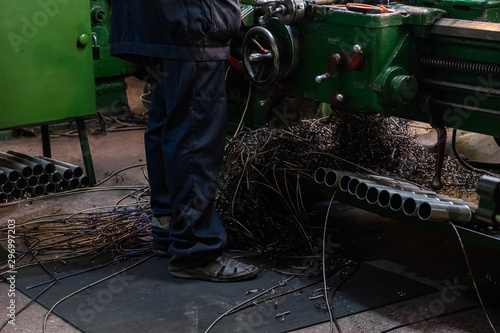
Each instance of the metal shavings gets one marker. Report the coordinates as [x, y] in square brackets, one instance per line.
[122, 232]
[259, 197]
[251, 291]
[281, 316]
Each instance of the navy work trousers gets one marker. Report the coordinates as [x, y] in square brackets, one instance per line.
[184, 142]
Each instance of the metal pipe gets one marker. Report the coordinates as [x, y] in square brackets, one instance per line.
[56, 177]
[332, 178]
[351, 186]
[24, 170]
[84, 181]
[38, 190]
[439, 211]
[456, 201]
[73, 183]
[66, 173]
[319, 175]
[7, 188]
[21, 184]
[4, 197]
[32, 181]
[43, 179]
[344, 183]
[372, 195]
[16, 194]
[36, 168]
[62, 186]
[394, 184]
[396, 202]
[50, 188]
[48, 167]
[410, 205]
[3, 177]
[385, 198]
[77, 171]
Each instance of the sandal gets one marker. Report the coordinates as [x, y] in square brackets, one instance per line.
[222, 269]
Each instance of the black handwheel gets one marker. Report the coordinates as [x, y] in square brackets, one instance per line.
[261, 57]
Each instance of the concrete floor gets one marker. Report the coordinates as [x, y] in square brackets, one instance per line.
[424, 255]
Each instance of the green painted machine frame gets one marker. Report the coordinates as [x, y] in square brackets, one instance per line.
[46, 62]
[435, 61]
[414, 62]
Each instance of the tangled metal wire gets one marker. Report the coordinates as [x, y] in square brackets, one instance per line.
[121, 232]
[259, 196]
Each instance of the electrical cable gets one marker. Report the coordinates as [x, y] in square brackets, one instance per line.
[333, 320]
[463, 162]
[88, 286]
[472, 277]
[71, 192]
[461, 310]
[117, 172]
[29, 303]
[245, 110]
[279, 284]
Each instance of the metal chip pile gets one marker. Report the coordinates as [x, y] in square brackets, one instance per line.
[262, 210]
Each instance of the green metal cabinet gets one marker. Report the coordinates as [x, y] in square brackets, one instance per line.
[46, 65]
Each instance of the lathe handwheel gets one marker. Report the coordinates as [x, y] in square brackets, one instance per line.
[261, 57]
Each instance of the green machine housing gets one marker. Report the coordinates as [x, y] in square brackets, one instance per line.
[46, 62]
[47, 66]
[430, 61]
[435, 61]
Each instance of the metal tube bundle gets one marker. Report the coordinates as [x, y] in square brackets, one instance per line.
[22, 175]
[397, 196]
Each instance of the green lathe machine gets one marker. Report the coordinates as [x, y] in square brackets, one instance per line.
[435, 61]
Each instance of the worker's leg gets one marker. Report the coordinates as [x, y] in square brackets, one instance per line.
[193, 147]
[160, 196]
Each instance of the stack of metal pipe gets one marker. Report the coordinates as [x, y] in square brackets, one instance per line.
[23, 176]
[398, 196]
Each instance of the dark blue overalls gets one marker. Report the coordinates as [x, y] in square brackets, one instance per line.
[180, 47]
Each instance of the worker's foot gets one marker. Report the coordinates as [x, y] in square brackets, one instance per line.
[160, 230]
[222, 269]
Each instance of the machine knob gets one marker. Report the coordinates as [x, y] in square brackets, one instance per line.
[84, 39]
[356, 60]
[320, 78]
[403, 89]
[335, 60]
[337, 98]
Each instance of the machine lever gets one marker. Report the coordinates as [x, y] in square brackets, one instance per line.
[259, 56]
[437, 183]
[366, 9]
[335, 60]
[274, 8]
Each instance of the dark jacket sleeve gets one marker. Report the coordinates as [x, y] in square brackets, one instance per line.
[179, 29]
